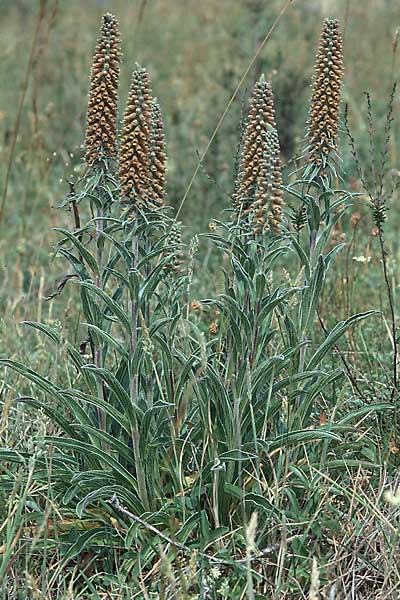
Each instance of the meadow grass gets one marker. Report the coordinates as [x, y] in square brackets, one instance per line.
[202, 408]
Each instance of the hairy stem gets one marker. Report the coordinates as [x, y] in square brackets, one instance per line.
[98, 348]
[133, 384]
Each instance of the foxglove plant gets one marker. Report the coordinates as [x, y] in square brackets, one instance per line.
[193, 419]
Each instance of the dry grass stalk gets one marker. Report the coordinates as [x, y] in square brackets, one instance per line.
[261, 118]
[101, 127]
[325, 101]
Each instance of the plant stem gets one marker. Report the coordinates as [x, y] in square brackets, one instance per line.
[133, 383]
[392, 313]
[312, 241]
[98, 348]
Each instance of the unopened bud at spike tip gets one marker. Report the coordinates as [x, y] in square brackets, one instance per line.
[175, 252]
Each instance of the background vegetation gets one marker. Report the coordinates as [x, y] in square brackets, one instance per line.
[196, 53]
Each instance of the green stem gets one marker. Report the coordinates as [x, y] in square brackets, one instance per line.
[98, 349]
[133, 384]
[392, 313]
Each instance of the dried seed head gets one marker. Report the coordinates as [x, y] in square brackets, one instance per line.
[213, 329]
[266, 210]
[134, 155]
[325, 101]
[261, 118]
[195, 305]
[355, 219]
[101, 122]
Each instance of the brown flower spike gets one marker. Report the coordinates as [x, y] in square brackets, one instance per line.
[142, 159]
[266, 210]
[158, 158]
[101, 126]
[261, 117]
[325, 101]
[134, 156]
[276, 201]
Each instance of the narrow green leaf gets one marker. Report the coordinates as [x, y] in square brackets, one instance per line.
[83, 252]
[334, 336]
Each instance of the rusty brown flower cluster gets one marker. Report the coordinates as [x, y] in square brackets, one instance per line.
[325, 101]
[261, 117]
[101, 127]
[257, 197]
[134, 157]
[142, 159]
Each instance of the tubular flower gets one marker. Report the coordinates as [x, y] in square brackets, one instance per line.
[101, 122]
[325, 101]
[261, 117]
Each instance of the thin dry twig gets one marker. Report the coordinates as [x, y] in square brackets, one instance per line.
[115, 503]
